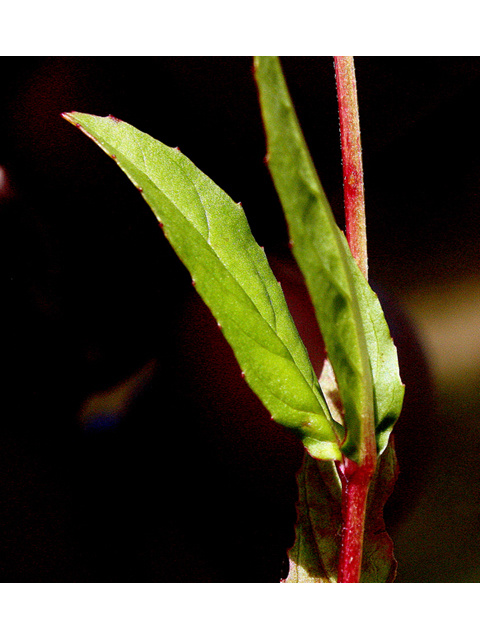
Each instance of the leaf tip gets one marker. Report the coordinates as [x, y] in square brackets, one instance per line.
[70, 117]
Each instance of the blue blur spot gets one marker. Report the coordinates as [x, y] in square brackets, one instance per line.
[102, 422]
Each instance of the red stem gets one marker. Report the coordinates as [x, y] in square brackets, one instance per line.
[353, 190]
[356, 478]
[354, 501]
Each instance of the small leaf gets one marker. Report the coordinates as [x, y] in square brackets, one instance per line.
[350, 318]
[315, 553]
[210, 234]
[378, 563]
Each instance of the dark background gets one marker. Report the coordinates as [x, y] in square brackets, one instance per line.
[130, 449]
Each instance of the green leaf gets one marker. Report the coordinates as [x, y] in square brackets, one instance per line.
[210, 234]
[315, 553]
[350, 318]
[388, 390]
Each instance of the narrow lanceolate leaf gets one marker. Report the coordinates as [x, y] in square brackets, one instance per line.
[314, 556]
[210, 234]
[352, 323]
[388, 390]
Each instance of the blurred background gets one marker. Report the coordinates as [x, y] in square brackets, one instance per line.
[130, 448]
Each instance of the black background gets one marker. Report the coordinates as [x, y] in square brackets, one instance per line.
[192, 483]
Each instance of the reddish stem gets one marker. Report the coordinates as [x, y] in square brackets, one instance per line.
[352, 160]
[356, 478]
[354, 501]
